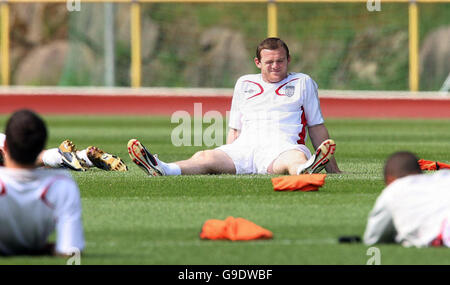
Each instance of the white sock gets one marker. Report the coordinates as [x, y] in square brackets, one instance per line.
[301, 167]
[82, 154]
[169, 168]
[52, 158]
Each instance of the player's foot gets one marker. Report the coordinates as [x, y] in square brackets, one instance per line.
[68, 155]
[320, 159]
[105, 160]
[144, 159]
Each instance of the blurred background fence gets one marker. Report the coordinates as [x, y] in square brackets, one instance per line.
[176, 43]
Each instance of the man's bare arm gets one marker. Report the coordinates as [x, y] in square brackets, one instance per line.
[318, 134]
[233, 134]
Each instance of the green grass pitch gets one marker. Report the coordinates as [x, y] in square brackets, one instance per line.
[133, 219]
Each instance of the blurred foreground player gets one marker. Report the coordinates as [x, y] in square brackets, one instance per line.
[414, 208]
[270, 114]
[35, 201]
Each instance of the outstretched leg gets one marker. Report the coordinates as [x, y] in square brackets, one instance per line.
[63, 156]
[67, 156]
[103, 160]
[203, 162]
[211, 161]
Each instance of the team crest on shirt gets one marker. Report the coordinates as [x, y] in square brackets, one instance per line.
[289, 91]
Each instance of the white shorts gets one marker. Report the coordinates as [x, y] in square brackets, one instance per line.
[251, 158]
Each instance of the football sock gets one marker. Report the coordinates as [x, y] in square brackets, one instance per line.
[52, 158]
[300, 168]
[169, 168]
[308, 163]
[82, 154]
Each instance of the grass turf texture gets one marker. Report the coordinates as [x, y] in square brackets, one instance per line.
[132, 219]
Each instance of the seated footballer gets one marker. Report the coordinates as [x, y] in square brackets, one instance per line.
[270, 114]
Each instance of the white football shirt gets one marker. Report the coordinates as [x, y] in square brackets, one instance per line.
[279, 110]
[33, 203]
[2, 140]
[411, 210]
[2, 144]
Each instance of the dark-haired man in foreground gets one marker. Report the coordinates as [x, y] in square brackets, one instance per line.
[414, 208]
[271, 112]
[35, 201]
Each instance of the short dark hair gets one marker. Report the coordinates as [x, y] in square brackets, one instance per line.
[271, 43]
[401, 164]
[26, 135]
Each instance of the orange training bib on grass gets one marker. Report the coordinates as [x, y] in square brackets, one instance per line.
[233, 229]
[302, 182]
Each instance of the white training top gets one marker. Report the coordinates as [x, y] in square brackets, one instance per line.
[275, 110]
[2, 140]
[411, 210]
[35, 202]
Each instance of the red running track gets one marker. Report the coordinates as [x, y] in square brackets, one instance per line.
[167, 105]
